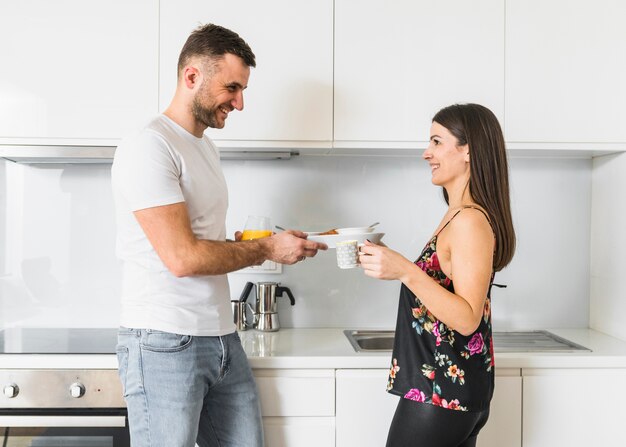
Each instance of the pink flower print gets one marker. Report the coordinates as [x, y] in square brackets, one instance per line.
[436, 399]
[476, 344]
[452, 405]
[434, 262]
[418, 312]
[422, 265]
[436, 333]
[428, 371]
[416, 395]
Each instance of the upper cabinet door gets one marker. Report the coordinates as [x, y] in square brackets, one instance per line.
[565, 71]
[289, 95]
[80, 71]
[398, 62]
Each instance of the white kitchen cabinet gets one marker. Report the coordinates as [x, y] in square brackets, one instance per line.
[504, 428]
[289, 100]
[565, 71]
[299, 432]
[298, 406]
[364, 409]
[398, 62]
[76, 72]
[607, 306]
[361, 397]
[573, 407]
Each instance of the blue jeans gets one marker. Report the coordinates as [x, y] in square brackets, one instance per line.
[181, 390]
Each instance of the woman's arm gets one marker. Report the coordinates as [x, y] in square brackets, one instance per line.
[466, 248]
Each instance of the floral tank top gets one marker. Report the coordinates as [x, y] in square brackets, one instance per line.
[432, 363]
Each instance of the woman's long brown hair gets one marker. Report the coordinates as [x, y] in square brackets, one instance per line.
[478, 127]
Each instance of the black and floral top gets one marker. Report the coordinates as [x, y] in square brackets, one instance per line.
[431, 362]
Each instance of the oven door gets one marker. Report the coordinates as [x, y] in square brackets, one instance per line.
[69, 428]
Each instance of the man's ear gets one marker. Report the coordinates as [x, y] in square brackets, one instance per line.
[191, 77]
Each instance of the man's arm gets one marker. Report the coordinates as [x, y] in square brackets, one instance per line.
[169, 231]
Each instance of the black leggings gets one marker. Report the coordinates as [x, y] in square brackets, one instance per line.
[418, 424]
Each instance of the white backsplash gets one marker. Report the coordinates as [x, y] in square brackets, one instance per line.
[57, 234]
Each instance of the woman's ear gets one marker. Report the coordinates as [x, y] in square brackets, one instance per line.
[466, 156]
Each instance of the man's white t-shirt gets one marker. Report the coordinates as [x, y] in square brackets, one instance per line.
[161, 165]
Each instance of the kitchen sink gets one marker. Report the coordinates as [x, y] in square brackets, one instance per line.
[515, 341]
[374, 340]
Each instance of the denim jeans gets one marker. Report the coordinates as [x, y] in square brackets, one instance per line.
[181, 390]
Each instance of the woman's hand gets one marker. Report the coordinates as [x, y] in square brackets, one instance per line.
[381, 262]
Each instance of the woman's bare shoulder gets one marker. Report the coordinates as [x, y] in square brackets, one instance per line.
[472, 222]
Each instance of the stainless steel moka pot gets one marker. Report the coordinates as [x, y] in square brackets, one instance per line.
[265, 310]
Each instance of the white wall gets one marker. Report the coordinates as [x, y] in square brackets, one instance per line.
[608, 241]
[57, 264]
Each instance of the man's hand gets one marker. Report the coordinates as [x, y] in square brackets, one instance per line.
[169, 231]
[291, 246]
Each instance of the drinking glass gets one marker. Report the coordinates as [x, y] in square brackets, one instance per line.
[256, 227]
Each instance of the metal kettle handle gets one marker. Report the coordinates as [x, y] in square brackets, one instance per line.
[242, 302]
[246, 291]
[281, 289]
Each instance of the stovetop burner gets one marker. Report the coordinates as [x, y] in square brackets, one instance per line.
[58, 340]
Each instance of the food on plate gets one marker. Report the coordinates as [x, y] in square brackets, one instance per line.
[325, 233]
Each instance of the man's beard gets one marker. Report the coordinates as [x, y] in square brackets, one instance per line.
[205, 115]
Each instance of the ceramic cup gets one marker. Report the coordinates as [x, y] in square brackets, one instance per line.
[347, 254]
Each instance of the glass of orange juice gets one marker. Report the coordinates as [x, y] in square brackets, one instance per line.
[256, 228]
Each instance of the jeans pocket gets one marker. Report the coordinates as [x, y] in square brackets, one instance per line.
[159, 341]
[122, 369]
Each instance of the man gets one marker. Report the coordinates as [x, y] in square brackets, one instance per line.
[185, 375]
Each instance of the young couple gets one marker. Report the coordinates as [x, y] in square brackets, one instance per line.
[185, 376]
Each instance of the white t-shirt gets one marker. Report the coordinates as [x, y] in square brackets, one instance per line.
[161, 165]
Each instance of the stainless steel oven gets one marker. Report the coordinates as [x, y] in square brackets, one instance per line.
[66, 436]
[45, 407]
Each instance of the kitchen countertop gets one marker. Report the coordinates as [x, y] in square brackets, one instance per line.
[329, 348]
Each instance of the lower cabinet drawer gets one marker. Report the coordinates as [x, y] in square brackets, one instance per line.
[364, 407]
[297, 392]
[299, 431]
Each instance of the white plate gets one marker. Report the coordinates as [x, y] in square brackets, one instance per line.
[313, 233]
[355, 230]
[332, 239]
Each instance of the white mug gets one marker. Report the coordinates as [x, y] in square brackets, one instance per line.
[347, 254]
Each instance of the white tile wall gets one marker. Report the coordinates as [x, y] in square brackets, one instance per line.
[57, 263]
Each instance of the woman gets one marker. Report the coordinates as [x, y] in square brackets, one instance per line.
[443, 363]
